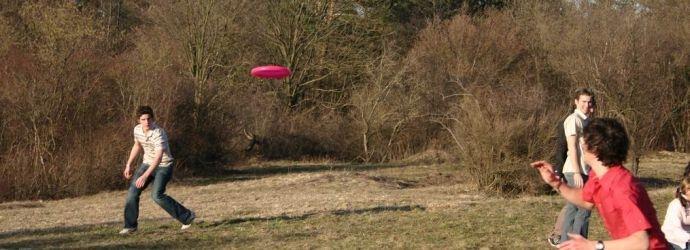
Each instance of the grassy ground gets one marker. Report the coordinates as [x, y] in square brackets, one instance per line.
[316, 206]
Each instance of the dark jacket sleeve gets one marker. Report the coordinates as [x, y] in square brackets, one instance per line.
[561, 150]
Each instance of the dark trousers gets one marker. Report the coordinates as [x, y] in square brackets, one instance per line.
[160, 178]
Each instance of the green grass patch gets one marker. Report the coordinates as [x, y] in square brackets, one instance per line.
[496, 224]
[465, 223]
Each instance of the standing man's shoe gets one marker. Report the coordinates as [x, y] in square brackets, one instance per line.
[554, 239]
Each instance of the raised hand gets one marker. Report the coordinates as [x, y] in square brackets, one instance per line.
[546, 172]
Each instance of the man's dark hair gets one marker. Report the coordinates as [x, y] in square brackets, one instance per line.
[144, 110]
[607, 139]
[583, 91]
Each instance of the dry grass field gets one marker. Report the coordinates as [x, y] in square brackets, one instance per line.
[288, 205]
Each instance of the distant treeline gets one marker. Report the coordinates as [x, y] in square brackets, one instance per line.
[374, 81]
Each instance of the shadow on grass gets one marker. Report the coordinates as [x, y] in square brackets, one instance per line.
[54, 230]
[339, 212]
[107, 229]
[161, 236]
[206, 177]
[54, 237]
[657, 182]
[104, 235]
[216, 242]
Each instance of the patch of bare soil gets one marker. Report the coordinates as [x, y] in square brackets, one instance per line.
[389, 182]
[431, 179]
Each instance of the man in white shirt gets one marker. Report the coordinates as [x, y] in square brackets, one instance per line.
[559, 160]
[156, 167]
[576, 220]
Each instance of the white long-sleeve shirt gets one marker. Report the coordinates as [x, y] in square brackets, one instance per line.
[676, 226]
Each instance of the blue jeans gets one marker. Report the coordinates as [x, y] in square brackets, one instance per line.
[160, 178]
[575, 219]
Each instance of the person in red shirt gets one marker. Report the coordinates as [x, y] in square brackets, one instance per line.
[622, 202]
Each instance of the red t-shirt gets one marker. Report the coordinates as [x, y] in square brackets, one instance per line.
[624, 205]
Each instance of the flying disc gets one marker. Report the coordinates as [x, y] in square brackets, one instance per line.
[271, 71]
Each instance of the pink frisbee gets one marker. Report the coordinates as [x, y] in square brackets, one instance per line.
[271, 71]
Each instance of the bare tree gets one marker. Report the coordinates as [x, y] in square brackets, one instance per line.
[382, 107]
[618, 52]
[325, 43]
[204, 31]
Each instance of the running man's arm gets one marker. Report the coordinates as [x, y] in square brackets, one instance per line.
[156, 160]
[573, 195]
[160, 140]
[637, 240]
[145, 176]
[136, 148]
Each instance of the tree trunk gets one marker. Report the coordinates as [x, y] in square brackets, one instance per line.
[635, 162]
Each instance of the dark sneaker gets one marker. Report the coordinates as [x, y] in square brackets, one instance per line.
[554, 239]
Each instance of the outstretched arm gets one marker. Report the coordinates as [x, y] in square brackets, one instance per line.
[573, 195]
[637, 240]
[156, 160]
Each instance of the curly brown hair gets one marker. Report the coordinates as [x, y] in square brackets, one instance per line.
[608, 140]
